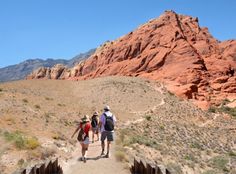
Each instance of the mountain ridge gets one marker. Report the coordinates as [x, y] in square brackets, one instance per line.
[173, 49]
[21, 70]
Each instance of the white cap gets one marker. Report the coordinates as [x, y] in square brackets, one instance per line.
[107, 108]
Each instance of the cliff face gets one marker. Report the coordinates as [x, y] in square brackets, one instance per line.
[173, 49]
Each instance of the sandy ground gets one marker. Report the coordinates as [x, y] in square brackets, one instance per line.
[95, 163]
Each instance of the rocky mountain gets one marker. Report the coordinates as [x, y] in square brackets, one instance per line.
[173, 49]
[20, 71]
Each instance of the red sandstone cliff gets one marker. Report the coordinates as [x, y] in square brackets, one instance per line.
[173, 49]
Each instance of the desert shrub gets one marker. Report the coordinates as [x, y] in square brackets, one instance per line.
[16, 138]
[21, 162]
[37, 106]
[189, 157]
[223, 109]
[225, 101]
[195, 145]
[210, 172]
[21, 141]
[228, 110]
[25, 100]
[121, 156]
[232, 153]
[1, 89]
[142, 140]
[32, 143]
[212, 109]
[219, 162]
[59, 104]
[148, 117]
[174, 168]
[47, 152]
[47, 98]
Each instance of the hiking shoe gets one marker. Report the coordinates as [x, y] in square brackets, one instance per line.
[107, 155]
[81, 158]
[85, 160]
[102, 154]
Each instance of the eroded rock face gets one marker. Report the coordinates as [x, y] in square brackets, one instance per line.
[173, 49]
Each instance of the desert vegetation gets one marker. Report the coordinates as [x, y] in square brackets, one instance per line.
[38, 118]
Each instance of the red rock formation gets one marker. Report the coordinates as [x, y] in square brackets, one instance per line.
[173, 49]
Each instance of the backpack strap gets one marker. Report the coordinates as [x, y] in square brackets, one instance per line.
[107, 116]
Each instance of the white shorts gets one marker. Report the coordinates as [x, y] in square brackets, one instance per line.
[86, 141]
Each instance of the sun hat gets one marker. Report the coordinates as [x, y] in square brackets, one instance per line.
[85, 118]
[95, 113]
[107, 108]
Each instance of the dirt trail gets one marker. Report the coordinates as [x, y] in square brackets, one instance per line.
[95, 164]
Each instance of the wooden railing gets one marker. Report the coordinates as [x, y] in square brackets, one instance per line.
[141, 167]
[51, 167]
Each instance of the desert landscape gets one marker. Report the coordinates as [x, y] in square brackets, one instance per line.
[169, 82]
[152, 124]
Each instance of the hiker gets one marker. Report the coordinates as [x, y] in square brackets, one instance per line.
[83, 135]
[94, 124]
[106, 125]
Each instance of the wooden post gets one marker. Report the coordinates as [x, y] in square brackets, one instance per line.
[142, 168]
[158, 170]
[167, 171]
[23, 171]
[33, 170]
[136, 166]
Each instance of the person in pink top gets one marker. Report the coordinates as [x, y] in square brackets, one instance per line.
[83, 136]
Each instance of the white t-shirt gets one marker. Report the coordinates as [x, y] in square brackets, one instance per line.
[103, 119]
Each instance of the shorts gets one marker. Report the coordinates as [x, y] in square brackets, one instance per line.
[107, 134]
[86, 141]
[95, 130]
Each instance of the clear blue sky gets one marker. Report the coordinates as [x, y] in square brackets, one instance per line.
[65, 28]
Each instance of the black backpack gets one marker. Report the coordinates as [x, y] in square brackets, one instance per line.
[94, 121]
[109, 123]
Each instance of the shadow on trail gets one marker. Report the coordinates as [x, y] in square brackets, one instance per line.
[92, 158]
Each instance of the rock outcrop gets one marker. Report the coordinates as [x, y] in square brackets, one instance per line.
[173, 49]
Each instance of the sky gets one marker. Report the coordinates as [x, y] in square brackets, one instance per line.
[64, 28]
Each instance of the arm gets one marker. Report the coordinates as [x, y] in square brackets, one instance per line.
[77, 129]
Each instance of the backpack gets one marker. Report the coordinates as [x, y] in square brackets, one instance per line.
[94, 121]
[81, 134]
[109, 123]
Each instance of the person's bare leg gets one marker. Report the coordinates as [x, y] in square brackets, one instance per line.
[108, 148]
[97, 136]
[85, 151]
[103, 147]
[82, 150]
[92, 136]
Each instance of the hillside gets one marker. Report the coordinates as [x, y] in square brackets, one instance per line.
[21, 70]
[152, 124]
[173, 49]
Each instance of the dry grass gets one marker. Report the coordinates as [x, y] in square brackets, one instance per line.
[50, 110]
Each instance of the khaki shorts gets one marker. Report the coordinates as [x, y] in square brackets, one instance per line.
[107, 135]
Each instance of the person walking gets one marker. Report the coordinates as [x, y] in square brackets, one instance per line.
[83, 135]
[94, 124]
[106, 125]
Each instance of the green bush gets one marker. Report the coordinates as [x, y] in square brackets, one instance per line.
[21, 141]
[223, 109]
[219, 162]
[148, 117]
